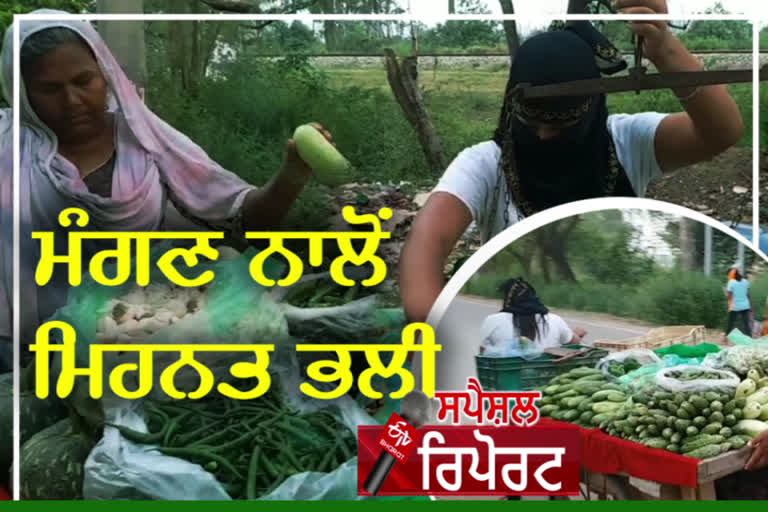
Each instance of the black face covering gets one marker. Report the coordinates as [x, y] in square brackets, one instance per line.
[521, 301]
[580, 163]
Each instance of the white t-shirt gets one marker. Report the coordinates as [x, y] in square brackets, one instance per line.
[500, 328]
[473, 175]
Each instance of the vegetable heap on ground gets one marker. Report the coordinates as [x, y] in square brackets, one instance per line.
[250, 446]
[699, 424]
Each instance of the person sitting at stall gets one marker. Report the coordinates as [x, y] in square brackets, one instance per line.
[524, 316]
[89, 141]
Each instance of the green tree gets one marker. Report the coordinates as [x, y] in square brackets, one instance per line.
[464, 34]
[602, 249]
[292, 37]
[10, 7]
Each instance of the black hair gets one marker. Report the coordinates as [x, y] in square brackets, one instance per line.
[45, 41]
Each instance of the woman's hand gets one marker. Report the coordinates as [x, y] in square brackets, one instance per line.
[293, 164]
[656, 35]
[759, 458]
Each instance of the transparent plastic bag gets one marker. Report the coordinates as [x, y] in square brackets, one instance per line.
[698, 379]
[641, 377]
[739, 359]
[522, 348]
[739, 338]
[621, 363]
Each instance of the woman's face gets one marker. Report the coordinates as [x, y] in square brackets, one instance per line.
[68, 92]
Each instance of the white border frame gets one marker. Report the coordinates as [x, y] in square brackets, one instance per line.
[479, 258]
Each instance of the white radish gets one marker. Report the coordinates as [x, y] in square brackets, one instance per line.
[329, 165]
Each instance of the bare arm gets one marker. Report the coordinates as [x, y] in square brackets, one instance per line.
[433, 236]
[265, 208]
[711, 122]
[578, 336]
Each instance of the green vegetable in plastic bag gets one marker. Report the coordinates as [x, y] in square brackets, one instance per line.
[689, 352]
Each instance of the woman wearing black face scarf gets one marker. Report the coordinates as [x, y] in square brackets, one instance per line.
[523, 315]
[552, 152]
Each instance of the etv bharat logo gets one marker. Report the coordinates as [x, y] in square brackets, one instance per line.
[401, 437]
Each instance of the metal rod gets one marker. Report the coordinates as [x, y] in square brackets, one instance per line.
[644, 82]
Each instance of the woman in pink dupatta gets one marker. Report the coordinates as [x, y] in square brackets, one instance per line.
[88, 141]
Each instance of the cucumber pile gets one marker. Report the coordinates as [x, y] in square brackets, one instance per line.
[695, 424]
[698, 425]
[583, 396]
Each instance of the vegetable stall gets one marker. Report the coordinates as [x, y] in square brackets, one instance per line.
[281, 445]
[655, 425]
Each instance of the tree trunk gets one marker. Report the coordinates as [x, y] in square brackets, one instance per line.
[451, 6]
[403, 79]
[563, 266]
[510, 29]
[330, 29]
[126, 39]
[552, 241]
[195, 62]
[687, 245]
[545, 272]
[209, 45]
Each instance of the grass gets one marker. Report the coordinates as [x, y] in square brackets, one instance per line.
[465, 103]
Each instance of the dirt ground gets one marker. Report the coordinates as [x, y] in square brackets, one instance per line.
[721, 188]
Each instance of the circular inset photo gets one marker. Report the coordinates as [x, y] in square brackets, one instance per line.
[643, 323]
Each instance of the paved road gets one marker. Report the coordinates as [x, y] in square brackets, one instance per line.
[458, 333]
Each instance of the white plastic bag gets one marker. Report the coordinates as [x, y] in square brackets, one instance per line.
[118, 469]
[340, 484]
[666, 379]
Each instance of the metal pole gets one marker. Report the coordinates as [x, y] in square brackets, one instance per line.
[707, 250]
[740, 258]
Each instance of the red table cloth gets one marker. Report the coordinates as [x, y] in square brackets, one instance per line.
[601, 453]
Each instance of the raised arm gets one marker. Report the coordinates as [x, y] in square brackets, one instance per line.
[711, 122]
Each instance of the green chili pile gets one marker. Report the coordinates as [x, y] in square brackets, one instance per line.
[250, 446]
